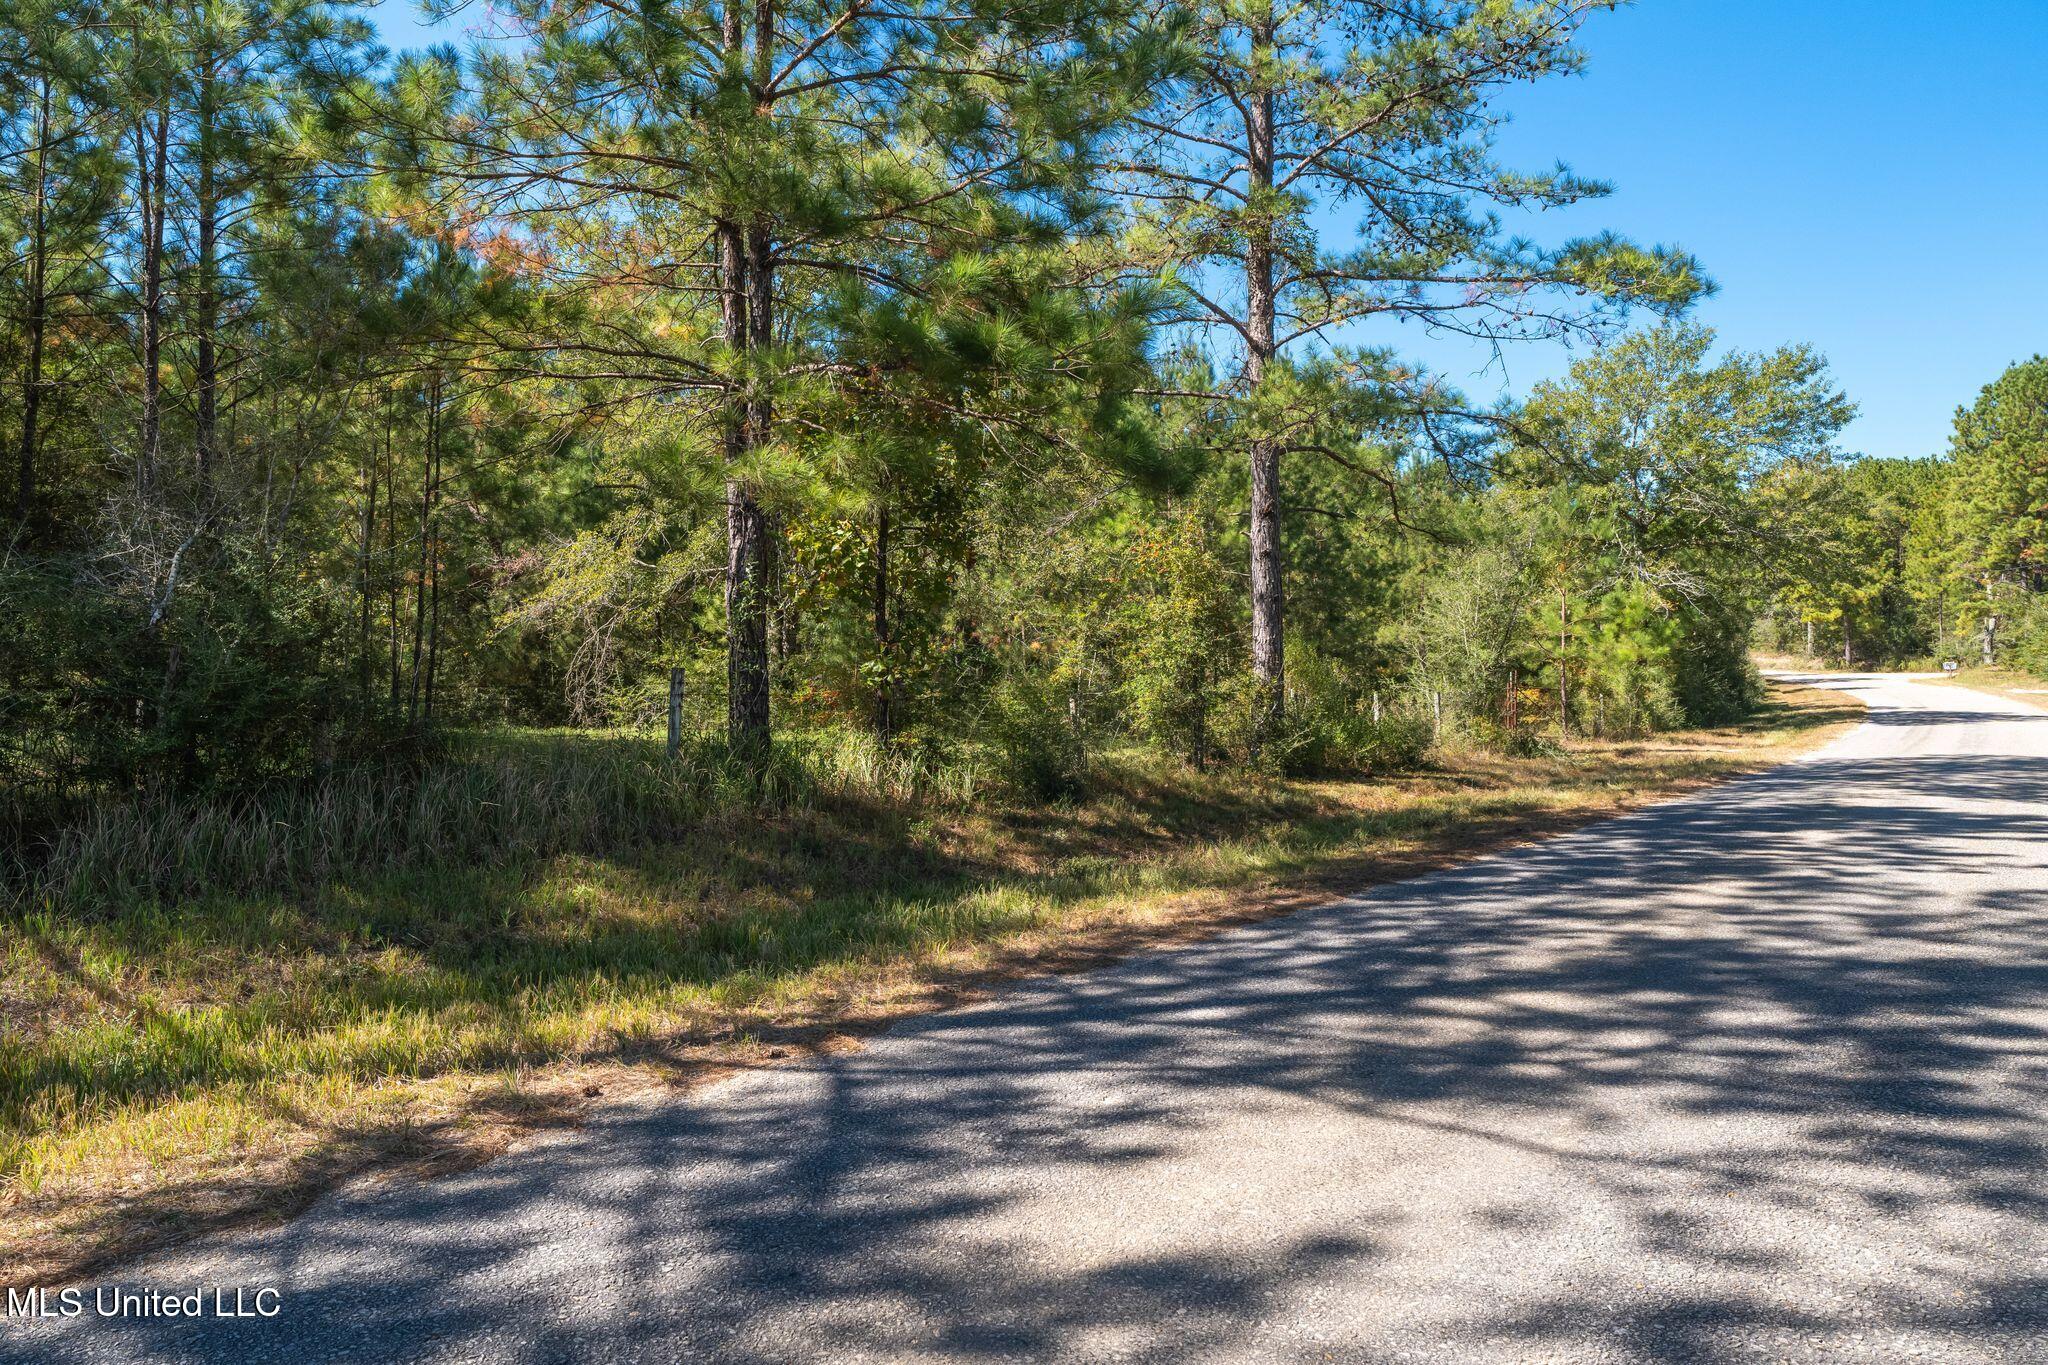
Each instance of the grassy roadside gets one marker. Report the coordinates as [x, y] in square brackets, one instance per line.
[165, 1071]
[2003, 682]
[1799, 663]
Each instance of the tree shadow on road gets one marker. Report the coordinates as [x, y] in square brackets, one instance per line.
[1801, 1104]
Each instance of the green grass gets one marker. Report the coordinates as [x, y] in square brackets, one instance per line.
[511, 795]
[211, 1010]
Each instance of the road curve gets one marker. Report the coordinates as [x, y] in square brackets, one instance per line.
[1753, 1075]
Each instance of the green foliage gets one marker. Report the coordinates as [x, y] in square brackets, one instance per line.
[512, 796]
[1712, 678]
[1033, 721]
[1667, 449]
[1329, 726]
[2028, 632]
[1609, 579]
[1465, 633]
[2000, 451]
[1939, 558]
[220, 686]
[1391, 112]
[1180, 620]
[1386, 114]
[860, 351]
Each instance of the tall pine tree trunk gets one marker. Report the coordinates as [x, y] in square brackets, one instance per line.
[434, 561]
[746, 270]
[152, 153]
[1269, 671]
[391, 583]
[364, 668]
[746, 527]
[206, 300]
[885, 701]
[424, 566]
[36, 321]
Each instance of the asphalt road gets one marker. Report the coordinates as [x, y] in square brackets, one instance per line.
[1756, 1075]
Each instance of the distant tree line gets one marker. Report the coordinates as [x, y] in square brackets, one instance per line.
[1925, 560]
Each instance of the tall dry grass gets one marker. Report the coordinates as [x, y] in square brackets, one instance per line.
[509, 797]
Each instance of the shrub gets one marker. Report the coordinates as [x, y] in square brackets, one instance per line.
[1712, 679]
[1039, 744]
[1329, 728]
[2028, 633]
[1179, 660]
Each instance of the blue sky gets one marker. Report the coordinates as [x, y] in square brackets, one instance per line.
[1869, 178]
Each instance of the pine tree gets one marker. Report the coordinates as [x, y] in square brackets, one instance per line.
[703, 185]
[1389, 110]
[59, 177]
[2000, 452]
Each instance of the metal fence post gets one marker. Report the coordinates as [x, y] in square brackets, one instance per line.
[675, 711]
